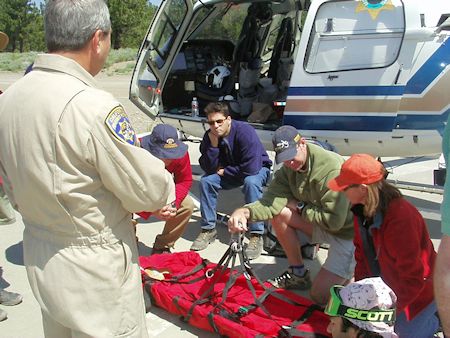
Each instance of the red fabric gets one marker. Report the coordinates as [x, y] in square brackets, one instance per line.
[182, 176]
[405, 254]
[256, 322]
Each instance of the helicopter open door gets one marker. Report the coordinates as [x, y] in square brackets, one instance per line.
[157, 52]
[216, 50]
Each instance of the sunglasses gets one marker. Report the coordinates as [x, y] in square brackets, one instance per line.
[336, 308]
[219, 122]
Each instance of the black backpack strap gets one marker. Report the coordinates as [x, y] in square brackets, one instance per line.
[369, 248]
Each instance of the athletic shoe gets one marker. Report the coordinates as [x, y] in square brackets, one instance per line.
[255, 246]
[10, 298]
[157, 251]
[289, 280]
[204, 238]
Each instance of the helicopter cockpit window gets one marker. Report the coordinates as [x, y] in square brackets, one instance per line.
[220, 24]
[166, 31]
[341, 40]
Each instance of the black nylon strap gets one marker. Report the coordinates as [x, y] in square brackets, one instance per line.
[235, 272]
[304, 317]
[206, 296]
[369, 249]
[197, 268]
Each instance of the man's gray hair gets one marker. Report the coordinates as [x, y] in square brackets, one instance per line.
[70, 24]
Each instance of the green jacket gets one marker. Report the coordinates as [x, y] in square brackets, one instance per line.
[325, 208]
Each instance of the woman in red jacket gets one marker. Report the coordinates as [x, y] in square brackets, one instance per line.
[391, 241]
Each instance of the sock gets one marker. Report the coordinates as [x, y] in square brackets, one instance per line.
[298, 270]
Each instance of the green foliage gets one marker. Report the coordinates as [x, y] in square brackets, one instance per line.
[119, 61]
[130, 20]
[121, 55]
[23, 23]
[16, 62]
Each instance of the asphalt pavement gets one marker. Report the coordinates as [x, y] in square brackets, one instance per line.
[24, 320]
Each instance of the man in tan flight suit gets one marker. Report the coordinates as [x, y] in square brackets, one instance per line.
[70, 162]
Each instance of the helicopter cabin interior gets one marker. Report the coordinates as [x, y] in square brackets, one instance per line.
[241, 53]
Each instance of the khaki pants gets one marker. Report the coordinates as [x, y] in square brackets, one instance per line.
[6, 211]
[86, 290]
[174, 228]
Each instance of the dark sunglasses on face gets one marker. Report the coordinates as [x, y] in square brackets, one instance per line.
[219, 122]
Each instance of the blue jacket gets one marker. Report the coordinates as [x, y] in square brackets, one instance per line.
[241, 153]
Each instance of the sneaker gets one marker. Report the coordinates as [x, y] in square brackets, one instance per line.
[254, 246]
[203, 239]
[157, 251]
[10, 298]
[3, 315]
[289, 280]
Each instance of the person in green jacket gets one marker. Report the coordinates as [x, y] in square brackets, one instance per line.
[299, 203]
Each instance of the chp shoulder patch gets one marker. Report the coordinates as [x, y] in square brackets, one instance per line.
[120, 126]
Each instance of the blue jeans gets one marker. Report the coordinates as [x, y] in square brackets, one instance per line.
[210, 185]
[423, 325]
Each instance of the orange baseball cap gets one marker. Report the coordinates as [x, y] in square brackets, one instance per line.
[358, 169]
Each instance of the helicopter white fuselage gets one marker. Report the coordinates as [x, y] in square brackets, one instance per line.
[362, 76]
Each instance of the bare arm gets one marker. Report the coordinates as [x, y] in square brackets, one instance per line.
[442, 283]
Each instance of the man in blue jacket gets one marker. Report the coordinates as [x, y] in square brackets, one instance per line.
[231, 156]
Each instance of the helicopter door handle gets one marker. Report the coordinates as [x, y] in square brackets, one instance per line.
[398, 75]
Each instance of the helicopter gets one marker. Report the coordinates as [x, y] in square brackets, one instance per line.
[366, 76]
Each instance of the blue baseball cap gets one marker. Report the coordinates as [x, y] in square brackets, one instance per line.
[164, 143]
[285, 140]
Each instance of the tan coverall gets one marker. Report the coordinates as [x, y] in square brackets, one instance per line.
[69, 154]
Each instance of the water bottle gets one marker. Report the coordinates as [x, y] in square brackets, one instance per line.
[194, 107]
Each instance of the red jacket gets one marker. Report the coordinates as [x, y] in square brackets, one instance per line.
[405, 254]
[182, 176]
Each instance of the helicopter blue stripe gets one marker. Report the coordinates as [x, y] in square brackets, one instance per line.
[345, 123]
[347, 91]
[367, 123]
[432, 68]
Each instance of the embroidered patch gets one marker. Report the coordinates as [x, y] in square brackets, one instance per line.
[170, 144]
[119, 124]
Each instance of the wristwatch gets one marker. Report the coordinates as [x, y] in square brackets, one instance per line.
[300, 206]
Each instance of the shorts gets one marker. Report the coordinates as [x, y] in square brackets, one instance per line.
[341, 253]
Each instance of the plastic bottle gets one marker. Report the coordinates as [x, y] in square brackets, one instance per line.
[194, 107]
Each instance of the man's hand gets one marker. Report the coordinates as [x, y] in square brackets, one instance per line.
[292, 204]
[166, 212]
[238, 220]
[220, 171]
[214, 139]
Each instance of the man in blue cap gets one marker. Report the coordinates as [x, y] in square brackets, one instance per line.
[299, 203]
[165, 144]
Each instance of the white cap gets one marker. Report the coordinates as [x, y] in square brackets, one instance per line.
[367, 294]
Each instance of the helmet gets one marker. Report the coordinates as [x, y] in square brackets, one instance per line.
[216, 75]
